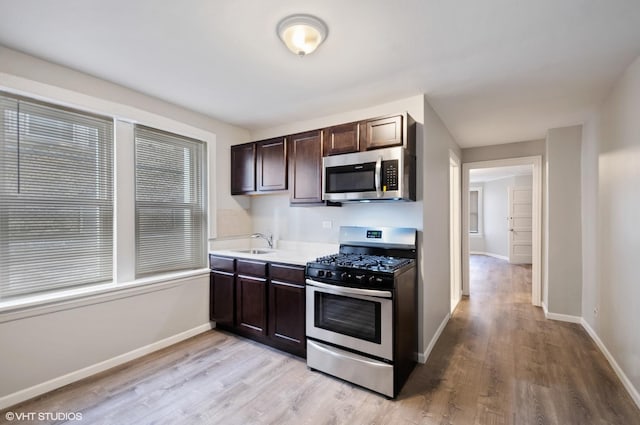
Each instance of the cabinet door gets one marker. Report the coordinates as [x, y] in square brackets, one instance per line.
[221, 301]
[342, 138]
[287, 315]
[251, 311]
[305, 168]
[382, 132]
[243, 169]
[272, 164]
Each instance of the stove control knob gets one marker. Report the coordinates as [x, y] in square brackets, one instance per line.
[343, 276]
[320, 273]
[359, 277]
[372, 279]
[328, 274]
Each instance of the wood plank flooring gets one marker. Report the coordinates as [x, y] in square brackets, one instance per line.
[498, 361]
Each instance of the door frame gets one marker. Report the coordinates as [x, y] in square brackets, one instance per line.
[536, 204]
[455, 241]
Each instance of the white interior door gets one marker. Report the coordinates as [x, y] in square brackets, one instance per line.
[520, 225]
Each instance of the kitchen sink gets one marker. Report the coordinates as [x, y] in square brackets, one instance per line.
[254, 251]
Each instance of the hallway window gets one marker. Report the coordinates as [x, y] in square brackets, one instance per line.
[475, 210]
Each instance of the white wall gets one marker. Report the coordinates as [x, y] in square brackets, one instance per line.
[272, 213]
[435, 271]
[563, 280]
[54, 344]
[611, 235]
[504, 151]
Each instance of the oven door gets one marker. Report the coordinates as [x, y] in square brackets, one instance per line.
[354, 318]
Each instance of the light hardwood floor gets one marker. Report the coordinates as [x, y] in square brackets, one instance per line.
[498, 362]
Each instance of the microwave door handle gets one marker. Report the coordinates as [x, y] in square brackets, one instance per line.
[378, 176]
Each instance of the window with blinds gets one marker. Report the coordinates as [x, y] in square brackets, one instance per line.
[170, 215]
[475, 210]
[56, 197]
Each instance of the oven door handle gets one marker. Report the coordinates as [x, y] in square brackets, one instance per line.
[350, 290]
[378, 176]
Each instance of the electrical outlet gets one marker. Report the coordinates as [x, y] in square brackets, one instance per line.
[326, 224]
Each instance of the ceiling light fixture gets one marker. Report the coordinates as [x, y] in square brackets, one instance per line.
[302, 34]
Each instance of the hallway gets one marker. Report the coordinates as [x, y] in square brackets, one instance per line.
[500, 361]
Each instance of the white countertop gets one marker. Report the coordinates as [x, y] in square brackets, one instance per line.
[290, 252]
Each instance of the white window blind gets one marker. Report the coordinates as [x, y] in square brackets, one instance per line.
[56, 197]
[170, 215]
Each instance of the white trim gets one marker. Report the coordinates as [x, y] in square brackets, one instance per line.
[423, 357]
[489, 254]
[36, 390]
[633, 392]
[560, 317]
[536, 161]
[455, 229]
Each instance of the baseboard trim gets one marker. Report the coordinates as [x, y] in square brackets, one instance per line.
[560, 317]
[633, 392]
[489, 254]
[36, 390]
[423, 357]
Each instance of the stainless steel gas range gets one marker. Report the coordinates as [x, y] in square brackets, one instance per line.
[361, 308]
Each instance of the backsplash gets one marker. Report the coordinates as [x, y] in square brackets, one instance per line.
[272, 214]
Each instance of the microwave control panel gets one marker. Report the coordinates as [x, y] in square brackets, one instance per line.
[390, 175]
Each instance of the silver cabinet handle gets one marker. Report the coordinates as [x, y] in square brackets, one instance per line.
[349, 290]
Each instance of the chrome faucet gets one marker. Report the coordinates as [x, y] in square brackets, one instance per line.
[269, 239]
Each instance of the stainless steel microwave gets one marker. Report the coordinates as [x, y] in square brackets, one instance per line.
[376, 175]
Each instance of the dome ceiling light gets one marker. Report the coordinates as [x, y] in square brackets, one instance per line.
[302, 34]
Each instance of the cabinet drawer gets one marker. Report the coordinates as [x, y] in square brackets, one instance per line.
[287, 273]
[252, 268]
[224, 264]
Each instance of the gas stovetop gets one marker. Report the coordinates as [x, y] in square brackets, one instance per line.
[379, 263]
[369, 258]
[359, 270]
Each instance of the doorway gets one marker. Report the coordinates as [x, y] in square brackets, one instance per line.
[522, 235]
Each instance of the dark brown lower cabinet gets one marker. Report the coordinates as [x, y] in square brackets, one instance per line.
[286, 315]
[251, 298]
[259, 300]
[221, 297]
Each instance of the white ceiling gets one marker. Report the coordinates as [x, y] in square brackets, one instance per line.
[483, 175]
[496, 71]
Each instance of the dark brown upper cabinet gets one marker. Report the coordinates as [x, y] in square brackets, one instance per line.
[271, 164]
[381, 132]
[343, 138]
[243, 169]
[305, 168]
